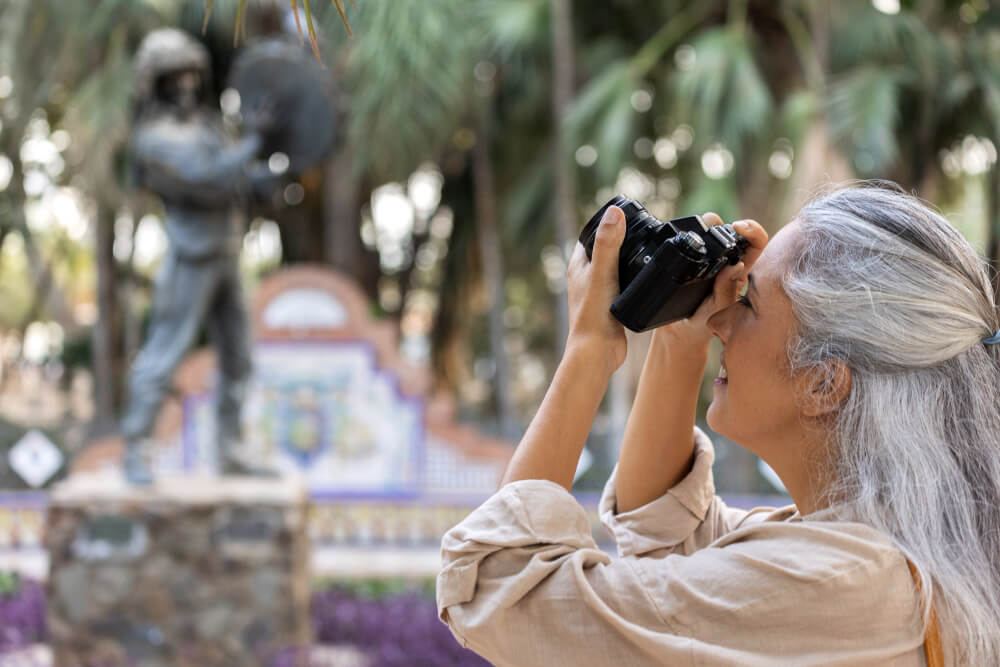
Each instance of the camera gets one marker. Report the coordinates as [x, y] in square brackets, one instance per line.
[665, 269]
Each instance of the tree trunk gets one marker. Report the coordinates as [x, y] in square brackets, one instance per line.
[565, 195]
[343, 194]
[105, 332]
[491, 260]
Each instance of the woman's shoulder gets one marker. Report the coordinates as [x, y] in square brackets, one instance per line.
[815, 547]
[817, 580]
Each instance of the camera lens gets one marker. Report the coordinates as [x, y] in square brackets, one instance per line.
[641, 241]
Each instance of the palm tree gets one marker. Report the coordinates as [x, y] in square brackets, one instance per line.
[565, 190]
[50, 51]
[904, 92]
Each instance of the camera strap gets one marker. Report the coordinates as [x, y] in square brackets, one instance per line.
[932, 637]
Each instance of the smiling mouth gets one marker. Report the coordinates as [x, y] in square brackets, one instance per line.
[723, 377]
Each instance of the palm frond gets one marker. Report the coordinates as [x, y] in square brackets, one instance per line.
[208, 15]
[240, 22]
[312, 30]
[863, 110]
[516, 25]
[313, 40]
[602, 114]
[723, 94]
[339, 4]
[409, 95]
[865, 35]
[527, 201]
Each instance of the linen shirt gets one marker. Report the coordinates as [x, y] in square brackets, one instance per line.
[696, 583]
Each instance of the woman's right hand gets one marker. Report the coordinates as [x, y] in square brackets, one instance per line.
[728, 284]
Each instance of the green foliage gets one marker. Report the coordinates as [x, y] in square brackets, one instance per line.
[10, 582]
[893, 91]
[863, 113]
[377, 589]
[410, 80]
[723, 94]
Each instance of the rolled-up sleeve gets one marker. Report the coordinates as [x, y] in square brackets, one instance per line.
[523, 583]
[688, 517]
[524, 569]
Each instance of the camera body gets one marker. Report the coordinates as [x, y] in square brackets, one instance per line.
[665, 269]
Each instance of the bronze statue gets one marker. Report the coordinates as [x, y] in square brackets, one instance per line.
[205, 179]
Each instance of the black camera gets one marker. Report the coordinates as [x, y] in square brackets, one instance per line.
[665, 269]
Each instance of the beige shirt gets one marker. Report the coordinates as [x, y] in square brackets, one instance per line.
[696, 583]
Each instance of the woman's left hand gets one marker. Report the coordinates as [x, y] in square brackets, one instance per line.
[592, 286]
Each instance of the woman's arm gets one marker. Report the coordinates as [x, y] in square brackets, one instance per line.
[658, 445]
[552, 444]
[595, 348]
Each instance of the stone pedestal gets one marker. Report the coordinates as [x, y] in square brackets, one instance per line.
[191, 571]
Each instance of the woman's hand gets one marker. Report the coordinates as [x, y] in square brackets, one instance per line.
[728, 284]
[592, 286]
[552, 444]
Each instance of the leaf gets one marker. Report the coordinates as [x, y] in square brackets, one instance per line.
[527, 199]
[339, 4]
[723, 94]
[862, 111]
[313, 42]
[208, 15]
[797, 113]
[707, 194]
[409, 95]
[516, 25]
[240, 12]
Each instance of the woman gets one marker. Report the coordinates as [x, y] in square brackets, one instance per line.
[862, 364]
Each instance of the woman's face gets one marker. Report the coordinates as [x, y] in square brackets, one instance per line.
[756, 405]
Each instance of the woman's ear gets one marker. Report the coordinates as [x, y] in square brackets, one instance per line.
[827, 388]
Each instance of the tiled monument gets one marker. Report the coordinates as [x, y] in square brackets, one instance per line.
[203, 570]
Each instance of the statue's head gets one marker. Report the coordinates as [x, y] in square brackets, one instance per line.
[171, 66]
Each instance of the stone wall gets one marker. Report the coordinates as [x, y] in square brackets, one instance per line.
[201, 572]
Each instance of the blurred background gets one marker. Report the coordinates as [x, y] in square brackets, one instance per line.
[474, 139]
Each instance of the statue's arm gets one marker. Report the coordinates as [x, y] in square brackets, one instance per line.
[186, 171]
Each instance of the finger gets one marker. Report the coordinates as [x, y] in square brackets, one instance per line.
[610, 234]
[756, 235]
[578, 258]
[711, 219]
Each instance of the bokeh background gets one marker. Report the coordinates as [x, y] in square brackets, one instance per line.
[475, 138]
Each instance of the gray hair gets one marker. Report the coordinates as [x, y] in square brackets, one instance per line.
[887, 286]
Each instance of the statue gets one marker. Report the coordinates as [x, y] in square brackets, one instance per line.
[205, 179]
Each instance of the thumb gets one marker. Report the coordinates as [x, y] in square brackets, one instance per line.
[610, 234]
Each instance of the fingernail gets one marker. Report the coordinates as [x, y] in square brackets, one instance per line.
[741, 226]
[609, 218]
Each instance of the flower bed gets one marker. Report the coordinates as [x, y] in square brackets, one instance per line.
[377, 623]
[396, 628]
[22, 612]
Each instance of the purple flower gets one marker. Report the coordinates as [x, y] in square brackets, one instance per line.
[22, 616]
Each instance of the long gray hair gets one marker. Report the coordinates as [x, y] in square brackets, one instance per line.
[889, 287]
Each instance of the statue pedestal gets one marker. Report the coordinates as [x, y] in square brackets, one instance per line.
[190, 571]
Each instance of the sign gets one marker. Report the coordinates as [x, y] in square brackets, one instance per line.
[35, 459]
[110, 538]
[248, 534]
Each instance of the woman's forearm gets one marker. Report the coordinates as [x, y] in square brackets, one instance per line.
[550, 448]
[658, 444]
